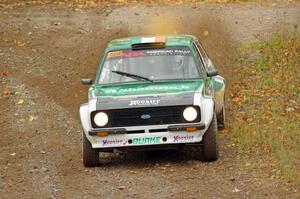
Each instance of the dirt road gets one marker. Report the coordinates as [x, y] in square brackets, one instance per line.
[47, 49]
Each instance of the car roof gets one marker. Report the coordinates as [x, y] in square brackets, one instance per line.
[170, 40]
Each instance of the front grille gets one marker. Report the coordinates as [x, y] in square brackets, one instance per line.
[158, 116]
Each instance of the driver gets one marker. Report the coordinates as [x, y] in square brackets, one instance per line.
[177, 66]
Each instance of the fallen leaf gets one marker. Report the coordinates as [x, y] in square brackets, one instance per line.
[30, 118]
[21, 101]
[247, 164]
[12, 154]
[7, 92]
[4, 72]
[20, 43]
[205, 33]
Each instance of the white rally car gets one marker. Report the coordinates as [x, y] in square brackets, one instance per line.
[153, 92]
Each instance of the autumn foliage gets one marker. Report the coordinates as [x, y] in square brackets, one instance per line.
[266, 100]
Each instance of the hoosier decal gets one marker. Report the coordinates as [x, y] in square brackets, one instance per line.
[178, 138]
[115, 142]
[144, 102]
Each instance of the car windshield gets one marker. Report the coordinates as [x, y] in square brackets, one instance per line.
[170, 63]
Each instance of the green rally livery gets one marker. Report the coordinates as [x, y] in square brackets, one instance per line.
[153, 92]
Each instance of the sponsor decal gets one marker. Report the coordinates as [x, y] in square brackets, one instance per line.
[150, 140]
[182, 52]
[133, 54]
[115, 142]
[148, 89]
[122, 54]
[179, 138]
[144, 102]
[118, 53]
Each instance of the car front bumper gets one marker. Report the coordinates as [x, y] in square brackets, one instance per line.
[146, 135]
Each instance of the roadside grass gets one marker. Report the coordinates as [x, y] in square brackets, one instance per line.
[266, 100]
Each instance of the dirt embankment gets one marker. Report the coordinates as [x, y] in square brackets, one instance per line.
[47, 49]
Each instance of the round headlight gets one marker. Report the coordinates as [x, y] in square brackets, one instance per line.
[101, 119]
[190, 114]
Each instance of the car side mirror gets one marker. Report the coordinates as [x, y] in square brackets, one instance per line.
[213, 73]
[211, 68]
[87, 81]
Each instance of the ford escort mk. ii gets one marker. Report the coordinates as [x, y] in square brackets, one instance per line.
[153, 92]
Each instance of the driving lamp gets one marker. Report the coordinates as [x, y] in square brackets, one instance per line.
[101, 119]
[190, 114]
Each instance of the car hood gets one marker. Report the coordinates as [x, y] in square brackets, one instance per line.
[145, 94]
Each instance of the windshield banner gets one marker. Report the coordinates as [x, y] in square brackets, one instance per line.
[169, 51]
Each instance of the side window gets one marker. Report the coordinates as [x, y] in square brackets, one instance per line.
[207, 62]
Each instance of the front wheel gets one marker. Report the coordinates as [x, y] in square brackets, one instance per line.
[90, 156]
[210, 148]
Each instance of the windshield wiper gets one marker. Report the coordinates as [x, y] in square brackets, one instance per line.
[132, 75]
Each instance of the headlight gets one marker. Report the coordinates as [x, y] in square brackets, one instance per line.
[190, 114]
[101, 119]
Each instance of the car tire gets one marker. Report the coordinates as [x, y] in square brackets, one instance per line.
[209, 148]
[221, 119]
[90, 156]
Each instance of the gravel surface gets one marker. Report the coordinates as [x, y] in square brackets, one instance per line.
[46, 49]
